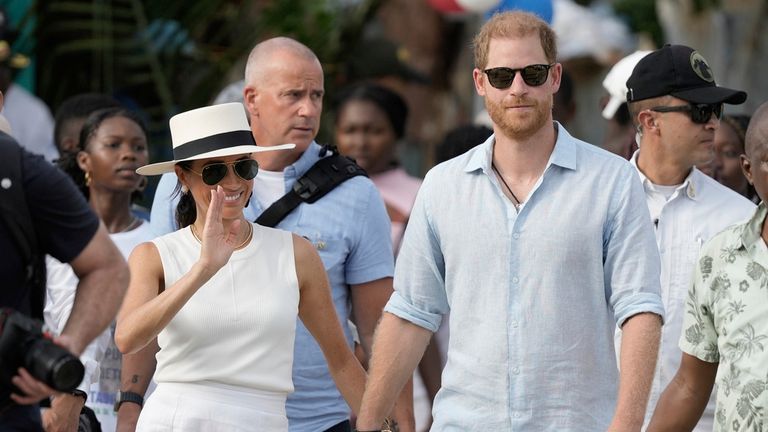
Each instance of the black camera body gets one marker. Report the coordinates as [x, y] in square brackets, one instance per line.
[24, 344]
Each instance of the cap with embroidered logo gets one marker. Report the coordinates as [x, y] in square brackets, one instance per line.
[679, 71]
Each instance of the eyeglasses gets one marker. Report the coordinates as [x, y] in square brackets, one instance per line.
[246, 169]
[533, 75]
[699, 113]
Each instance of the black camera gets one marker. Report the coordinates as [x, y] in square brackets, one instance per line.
[24, 344]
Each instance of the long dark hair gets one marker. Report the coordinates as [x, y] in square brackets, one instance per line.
[186, 209]
[68, 161]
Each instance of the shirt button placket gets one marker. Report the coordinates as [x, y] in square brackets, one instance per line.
[514, 335]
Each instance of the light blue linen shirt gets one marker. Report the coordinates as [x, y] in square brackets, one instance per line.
[351, 231]
[534, 297]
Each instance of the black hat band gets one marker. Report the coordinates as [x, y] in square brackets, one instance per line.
[212, 143]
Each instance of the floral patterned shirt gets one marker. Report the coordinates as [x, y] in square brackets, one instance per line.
[726, 322]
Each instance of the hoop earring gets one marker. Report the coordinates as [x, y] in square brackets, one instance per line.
[87, 179]
[142, 184]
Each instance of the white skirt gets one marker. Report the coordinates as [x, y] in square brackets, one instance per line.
[212, 407]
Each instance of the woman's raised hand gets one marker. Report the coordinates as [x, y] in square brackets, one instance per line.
[218, 244]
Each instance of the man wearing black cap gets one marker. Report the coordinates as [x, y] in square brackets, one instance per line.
[676, 106]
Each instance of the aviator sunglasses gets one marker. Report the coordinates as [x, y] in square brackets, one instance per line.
[699, 113]
[246, 169]
[533, 75]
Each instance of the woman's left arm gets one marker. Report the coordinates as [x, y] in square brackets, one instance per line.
[319, 316]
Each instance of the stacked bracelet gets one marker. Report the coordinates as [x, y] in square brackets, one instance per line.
[388, 426]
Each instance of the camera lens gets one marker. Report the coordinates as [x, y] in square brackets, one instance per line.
[54, 365]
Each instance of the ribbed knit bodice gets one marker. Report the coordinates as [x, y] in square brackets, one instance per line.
[239, 327]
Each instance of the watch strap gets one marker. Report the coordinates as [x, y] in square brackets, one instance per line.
[78, 392]
[127, 396]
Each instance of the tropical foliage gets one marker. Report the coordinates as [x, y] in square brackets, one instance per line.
[168, 56]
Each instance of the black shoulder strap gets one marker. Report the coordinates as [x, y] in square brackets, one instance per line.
[14, 213]
[323, 177]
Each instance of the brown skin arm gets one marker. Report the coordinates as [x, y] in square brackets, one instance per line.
[683, 401]
[137, 372]
[368, 301]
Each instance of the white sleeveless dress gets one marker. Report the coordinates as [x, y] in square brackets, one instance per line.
[225, 359]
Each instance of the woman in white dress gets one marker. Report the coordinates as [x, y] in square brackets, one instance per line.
[221, 294]
[112, 144]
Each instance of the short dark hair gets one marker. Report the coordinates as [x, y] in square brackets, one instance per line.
[460, 139]
[68, 161]
[387, 100]
[739, 123]
[79, 106]
[96, 118]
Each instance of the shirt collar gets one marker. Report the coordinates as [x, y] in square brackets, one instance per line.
[754, 227]
[563, 155]
[304, 162]
[691, 185]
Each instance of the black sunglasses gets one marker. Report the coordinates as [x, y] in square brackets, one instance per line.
[533, 75]
[246, 169]
[700, 113]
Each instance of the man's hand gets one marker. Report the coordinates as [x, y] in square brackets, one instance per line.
[33, 390]
[64, 414]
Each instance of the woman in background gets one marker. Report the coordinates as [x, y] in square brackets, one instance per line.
[370, 122]
[112, 144]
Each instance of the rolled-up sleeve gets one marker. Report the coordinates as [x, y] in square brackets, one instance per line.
[420, 295]
[632, 262]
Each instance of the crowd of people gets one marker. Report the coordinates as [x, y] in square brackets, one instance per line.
[533, 281]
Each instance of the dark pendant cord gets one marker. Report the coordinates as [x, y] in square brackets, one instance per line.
[517, 202]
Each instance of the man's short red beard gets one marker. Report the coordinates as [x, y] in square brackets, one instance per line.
[517, 126]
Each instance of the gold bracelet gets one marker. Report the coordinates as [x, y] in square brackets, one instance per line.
[390, 425]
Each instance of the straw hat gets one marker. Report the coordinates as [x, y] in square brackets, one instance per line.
[210, 132]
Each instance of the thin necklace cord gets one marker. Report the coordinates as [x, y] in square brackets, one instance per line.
[517, 202]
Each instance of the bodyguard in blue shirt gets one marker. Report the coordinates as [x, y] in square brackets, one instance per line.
[349, 228]
[539, 245]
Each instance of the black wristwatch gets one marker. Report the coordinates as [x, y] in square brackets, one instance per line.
[126, 396]
[78, 392]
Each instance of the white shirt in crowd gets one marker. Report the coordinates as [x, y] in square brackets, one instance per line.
[31, 122]
[685, 217]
